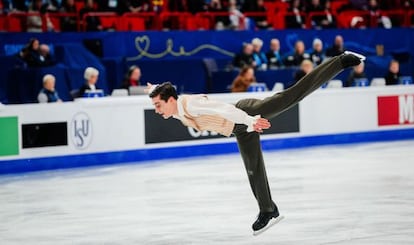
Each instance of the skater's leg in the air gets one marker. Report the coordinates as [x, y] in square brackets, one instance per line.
[276, 104]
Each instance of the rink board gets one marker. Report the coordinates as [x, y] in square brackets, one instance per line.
[116, 130]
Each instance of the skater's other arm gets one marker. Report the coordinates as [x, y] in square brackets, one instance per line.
[203, 106]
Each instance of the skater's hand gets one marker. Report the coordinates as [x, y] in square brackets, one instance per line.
[261, 123]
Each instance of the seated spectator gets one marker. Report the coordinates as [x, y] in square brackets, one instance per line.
[337, 48]
[50, 6]
[298, 56]
[45, 58]
[35, 22]
[30, 53]
[196, 6]
[245, 58]
[317, 55]
[391, 78]
[356, 73]
[132, 77]
[258, 7]
[236, 16]
[295, 19]
[91, 77]
[137, 6]
[375, 13]
[177, 6]
[243, 80]
[216, 6]
[258, 55]
[68, 23]
[314, 6]
[305, 67]
[111, 6]
[14, 6]
[274, 57]
[48, 94]
[93, 23]
[327, 20]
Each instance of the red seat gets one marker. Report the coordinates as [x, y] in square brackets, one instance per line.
[133, 24]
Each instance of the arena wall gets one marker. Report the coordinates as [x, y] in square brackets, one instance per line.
[114, 130]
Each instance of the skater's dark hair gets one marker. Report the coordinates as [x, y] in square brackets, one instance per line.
[165, 90]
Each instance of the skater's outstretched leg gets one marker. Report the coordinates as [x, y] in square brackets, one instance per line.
[276, 104]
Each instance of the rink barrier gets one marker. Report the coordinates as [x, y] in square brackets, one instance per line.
[143, 156]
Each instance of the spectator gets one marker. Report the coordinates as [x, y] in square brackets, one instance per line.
[317, 55]
[68, 23]
[337, 48]
[295, 19]
[30, 53]
[218, 7]
[91, 77]
[274, 57]
[35, 22]
[111, 6]
[177, 6]
[14, 6]
[356, 73]
[298, 56]
[132, 77]
[243, 80]
[245, 58]
[375, 13]
[137, 6]
[327, 20]
[236, 16]
[314, 6]
[93, 23]
[50, 6]
[45, 58]
[258, 55]
[258, 7]
[196, 6]
[48, 94]
[391, 78]
[305, 67]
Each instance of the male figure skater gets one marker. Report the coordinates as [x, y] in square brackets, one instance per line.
[246, 120]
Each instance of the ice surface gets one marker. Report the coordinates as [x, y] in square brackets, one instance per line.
[353, 194]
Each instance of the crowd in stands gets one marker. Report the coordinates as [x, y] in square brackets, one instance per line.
[222, 14]
[252, 58]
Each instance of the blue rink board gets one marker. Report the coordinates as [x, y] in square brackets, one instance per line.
[143, 155]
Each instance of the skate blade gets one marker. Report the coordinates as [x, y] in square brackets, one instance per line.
[271, 223]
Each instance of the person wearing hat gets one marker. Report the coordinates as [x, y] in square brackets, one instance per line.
[246, 120]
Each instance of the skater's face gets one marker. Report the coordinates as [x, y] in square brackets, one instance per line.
[165, 108]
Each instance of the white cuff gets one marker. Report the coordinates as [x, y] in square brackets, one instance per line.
[252, 121]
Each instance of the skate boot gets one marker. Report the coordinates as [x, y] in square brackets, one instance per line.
[349, 59]
[265, 220]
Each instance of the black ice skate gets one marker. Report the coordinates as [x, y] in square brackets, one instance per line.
[265, 221]
[350, 59]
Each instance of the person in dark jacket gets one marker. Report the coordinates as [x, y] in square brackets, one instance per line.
[132, 77]
[356, 73]
[48, 94]
[337, 48]
[274, 57]
[91, 77]
[245, 58]
[391, 78]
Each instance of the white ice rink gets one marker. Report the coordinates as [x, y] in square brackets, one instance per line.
[353, 194]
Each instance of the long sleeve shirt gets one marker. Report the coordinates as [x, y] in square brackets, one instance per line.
[198, 105]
